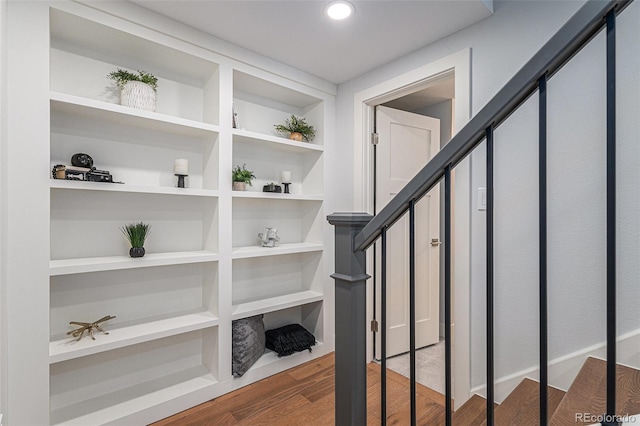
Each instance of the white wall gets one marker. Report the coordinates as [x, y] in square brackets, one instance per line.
[500, 46]
[3, 191]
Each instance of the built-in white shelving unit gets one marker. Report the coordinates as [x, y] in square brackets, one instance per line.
[168, 346]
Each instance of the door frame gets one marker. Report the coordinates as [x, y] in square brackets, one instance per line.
[364, 120]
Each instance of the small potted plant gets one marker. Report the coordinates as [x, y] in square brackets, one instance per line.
[136, 234]
[297, 129]
[136, 90]
[241, 177]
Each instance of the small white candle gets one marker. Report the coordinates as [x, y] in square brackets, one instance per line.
[181, 167]
[286, 176]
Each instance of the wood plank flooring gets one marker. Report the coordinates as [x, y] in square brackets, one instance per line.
[304, 395]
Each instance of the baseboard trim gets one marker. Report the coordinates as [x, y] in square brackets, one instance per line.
[564, 369]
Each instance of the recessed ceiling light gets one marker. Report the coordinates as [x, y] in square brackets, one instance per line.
[339, 10]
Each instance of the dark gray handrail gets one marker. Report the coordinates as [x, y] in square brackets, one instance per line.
[587, 22]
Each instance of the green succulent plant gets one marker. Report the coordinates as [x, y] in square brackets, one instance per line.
[136, 233]
[122, 77]
[299, 125]
[241, 174]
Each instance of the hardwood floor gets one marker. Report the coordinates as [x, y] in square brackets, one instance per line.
[305, 396]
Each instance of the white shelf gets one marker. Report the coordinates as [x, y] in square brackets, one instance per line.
[140, 189]
[291, 248]
[111, 263]
[274, 142]
[114, 406]
[67, 348]
[271, 357]
[130, 116]
[271, 304]
[275, 196]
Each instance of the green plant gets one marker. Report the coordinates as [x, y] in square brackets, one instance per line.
[241, 174]
[299, 125]
[122, 77]
[136, 233]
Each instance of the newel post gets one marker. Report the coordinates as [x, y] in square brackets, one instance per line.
[350, 320]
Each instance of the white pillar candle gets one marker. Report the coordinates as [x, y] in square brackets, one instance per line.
[286, 176]
[181, 167]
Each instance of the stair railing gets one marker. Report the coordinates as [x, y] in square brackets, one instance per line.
[356, 232]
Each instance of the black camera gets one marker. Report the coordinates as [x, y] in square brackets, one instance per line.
[99, 176]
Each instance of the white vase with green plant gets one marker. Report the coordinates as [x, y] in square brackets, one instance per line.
[241, 176]
[136, 90]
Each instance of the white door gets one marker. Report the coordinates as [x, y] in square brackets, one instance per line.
[406, 142]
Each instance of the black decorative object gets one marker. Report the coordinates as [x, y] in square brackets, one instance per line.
[181, 181]
[272, 187]
[286, 180]
[289, 339]
[136, 251]
[81, 168]
[82, 160]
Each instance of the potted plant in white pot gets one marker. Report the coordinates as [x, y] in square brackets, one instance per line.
[136, 90]
[297, 129]
[241, 177]
[136, 234]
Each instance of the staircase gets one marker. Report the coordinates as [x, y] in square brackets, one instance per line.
[602, 388]
[585, 397]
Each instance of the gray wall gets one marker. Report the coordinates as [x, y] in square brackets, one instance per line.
[500, 46]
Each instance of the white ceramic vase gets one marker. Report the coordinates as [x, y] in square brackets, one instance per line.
[136, 94]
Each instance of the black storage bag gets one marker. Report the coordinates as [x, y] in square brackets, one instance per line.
[289, 339]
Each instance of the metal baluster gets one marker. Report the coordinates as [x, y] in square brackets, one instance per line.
[447, 297]
[611, 213]
[412, 308]
[542, 217]
[490, 373]
[383, 328]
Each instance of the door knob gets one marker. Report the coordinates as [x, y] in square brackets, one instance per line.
[435, 242]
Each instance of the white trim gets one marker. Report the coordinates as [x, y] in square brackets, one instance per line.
[364, 101]
[564, 369]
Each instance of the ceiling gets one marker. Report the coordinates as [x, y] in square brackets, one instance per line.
[298, 33]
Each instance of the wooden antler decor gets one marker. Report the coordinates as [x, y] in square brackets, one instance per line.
[88, 327]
